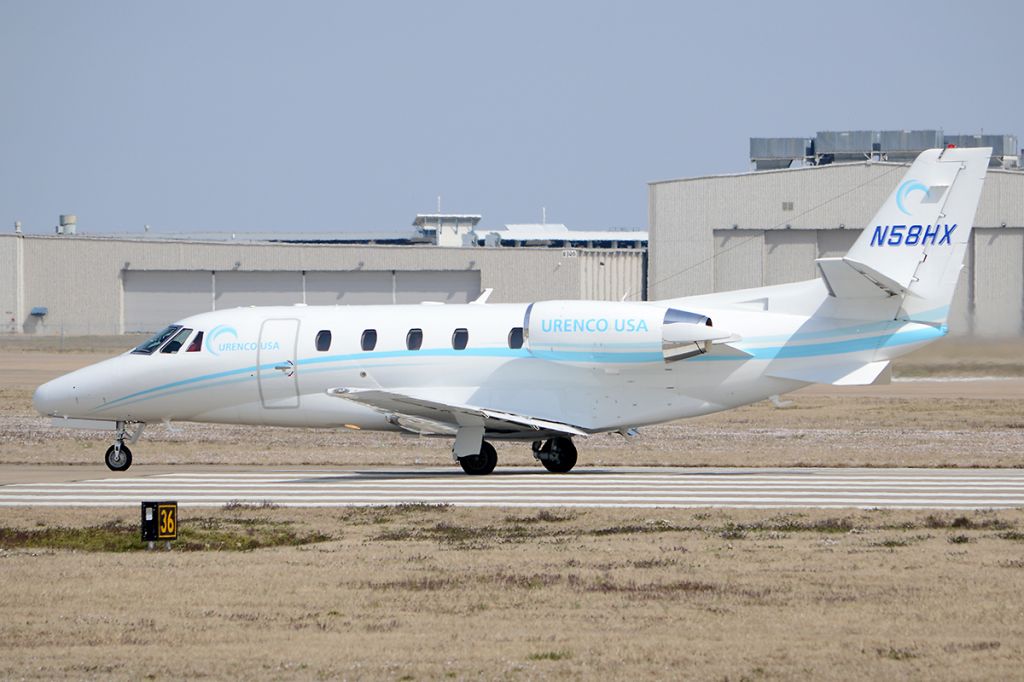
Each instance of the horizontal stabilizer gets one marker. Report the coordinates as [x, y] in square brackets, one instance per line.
[846, 278]
[846, 374]
[431, 417]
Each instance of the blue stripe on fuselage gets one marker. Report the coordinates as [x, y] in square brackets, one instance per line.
[372, 359]
[790, 351]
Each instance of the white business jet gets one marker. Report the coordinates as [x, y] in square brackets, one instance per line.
[549, 371]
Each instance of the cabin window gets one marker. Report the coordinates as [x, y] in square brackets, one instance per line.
[157, 340]
[515, 337]
[177, 341]
[197, 344]
[323, 340]
[414, 339]
[460, 339]
[369, 340]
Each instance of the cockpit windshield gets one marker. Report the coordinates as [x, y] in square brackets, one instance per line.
[175, 344]
[149, 347]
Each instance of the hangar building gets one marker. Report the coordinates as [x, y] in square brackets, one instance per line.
[807, 198]
[81, 285]
[765, 227]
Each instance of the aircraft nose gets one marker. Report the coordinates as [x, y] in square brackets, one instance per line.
[54, 398]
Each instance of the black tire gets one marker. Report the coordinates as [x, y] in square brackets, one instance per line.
[558, 455]
[118, 461]
[482, 464]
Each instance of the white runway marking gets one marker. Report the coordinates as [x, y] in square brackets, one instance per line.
[615, 487]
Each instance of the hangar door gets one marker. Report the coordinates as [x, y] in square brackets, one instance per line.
[445, 286]
[368, 287]
[235, 289]
[154, 299]
[354, 287]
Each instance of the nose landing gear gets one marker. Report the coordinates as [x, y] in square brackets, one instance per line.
[119, 455]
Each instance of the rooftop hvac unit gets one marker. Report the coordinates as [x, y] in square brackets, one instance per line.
[778, 152]
[68, 224]
[848, 143]
[1004, 147]
[905, 145]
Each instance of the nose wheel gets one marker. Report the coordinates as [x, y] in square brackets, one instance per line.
[118, 457]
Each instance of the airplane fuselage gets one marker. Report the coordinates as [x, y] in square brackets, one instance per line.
[261, 366]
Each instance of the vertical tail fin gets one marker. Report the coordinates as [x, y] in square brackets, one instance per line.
[914, 247]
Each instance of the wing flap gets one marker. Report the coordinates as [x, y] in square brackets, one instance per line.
[420, 415]
[534, 423]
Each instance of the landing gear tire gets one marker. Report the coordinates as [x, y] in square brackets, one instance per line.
[482, 464]
[118, 458]
[558, 455]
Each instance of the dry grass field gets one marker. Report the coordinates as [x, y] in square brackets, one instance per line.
[440, 592]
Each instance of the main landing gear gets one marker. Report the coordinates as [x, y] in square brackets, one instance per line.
[480, 464]
[119, 455]
[558, 455]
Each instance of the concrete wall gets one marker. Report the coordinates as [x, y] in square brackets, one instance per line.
[10, 285]
[608, 275]
[725, 232]
[81, 279]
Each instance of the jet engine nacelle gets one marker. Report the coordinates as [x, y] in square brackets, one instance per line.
[616, 333]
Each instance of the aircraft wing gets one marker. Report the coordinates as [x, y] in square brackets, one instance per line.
[429, 417]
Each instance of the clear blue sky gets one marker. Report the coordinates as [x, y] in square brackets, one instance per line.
[341, 116]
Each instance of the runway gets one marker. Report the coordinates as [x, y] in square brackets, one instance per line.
[512, 487]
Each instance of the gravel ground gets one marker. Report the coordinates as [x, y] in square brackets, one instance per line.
[816, 431]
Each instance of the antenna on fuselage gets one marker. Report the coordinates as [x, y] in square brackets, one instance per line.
[484, 295]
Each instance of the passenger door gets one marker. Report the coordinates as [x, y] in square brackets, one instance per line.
[277, 372]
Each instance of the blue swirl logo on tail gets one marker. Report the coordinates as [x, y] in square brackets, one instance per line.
[904, 191]
[219, 330]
